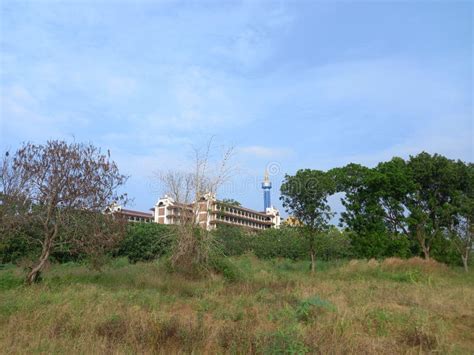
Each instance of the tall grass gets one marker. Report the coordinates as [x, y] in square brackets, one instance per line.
[273, 306]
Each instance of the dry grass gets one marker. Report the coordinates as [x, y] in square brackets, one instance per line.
[394, 306]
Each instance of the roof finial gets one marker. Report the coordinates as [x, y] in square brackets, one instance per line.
[266, 177]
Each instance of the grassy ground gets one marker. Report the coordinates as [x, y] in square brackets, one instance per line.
[276, 307]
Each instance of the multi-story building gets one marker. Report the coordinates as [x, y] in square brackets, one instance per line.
[131, 215]
[210, 212]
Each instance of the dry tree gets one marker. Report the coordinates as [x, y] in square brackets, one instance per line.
[191, 192]
[57, 185]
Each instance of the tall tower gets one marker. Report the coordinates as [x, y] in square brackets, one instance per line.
[266, 186]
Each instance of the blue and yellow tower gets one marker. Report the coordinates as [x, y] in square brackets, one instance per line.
[266, 186]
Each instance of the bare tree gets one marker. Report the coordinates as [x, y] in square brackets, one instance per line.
[48, 184]
[191, 192]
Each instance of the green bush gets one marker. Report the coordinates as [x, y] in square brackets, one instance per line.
[279, 243]
[309, 308]
[17, 245]
[233, 241]
[379, 245]
[333, 245]
[286, 243]
[227, 268]
[443, 250]
[146, 241]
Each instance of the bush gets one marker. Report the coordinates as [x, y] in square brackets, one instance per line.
[379, 245]
[146, 241]
[309, 308]
[444, 250]
[279, 243]
[233, 241]
[333, 245]
[17, 245]
[282, 243]
[227, 268]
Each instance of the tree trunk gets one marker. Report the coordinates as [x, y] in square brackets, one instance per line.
[313, 261]
[426, 251]
[421, 236]
[464, 261]
[34, 274]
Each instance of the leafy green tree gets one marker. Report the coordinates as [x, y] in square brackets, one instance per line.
[373, 211]
[305, 195]
[461, 215]
[436, 185]
[421, 198]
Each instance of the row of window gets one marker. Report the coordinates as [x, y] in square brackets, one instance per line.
[241, 222]
[139, 219]
[240, 212]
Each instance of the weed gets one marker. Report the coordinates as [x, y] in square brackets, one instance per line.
[276, 307]
[113, 329]
[308, 309]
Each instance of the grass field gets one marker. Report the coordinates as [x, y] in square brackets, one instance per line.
[274, 306]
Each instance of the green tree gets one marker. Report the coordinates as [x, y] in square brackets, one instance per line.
[461, 215]
[305, 195]
[430, 203]
[374, 213]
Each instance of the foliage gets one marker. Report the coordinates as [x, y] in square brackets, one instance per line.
[279, 243]
[15, 244]
[233, 240]
[420, 202]
[379, 245]
[285, 242]
[305, 195]
[226, 268]
[146, 241]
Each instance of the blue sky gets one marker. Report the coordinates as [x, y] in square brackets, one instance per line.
[300, 84]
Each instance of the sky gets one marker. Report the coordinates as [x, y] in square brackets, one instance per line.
[289, 84]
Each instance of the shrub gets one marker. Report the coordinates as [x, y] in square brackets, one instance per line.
[309, 308]
[333, 244]
[227, 268]
[282, 243]
[16, 245]
[445, 251]
[279, 243]
[379, 245]
[233, 241]
[146, 241]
